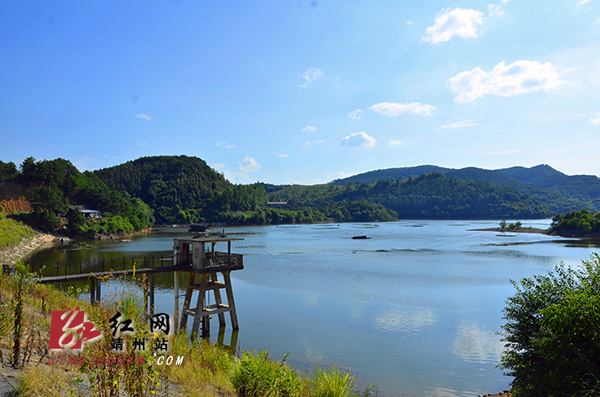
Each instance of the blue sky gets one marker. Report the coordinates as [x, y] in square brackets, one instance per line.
[303, 91]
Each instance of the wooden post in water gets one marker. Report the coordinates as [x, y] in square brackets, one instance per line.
[92, 290]
[230, 301]
[176, 311]
[145, 292]
[151, 294]
[98, 289]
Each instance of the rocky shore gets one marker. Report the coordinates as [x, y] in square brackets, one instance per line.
[12, 255]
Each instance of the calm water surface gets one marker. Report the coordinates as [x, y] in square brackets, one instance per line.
[414, 309]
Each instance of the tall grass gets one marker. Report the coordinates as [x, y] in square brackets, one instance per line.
[12, 231]
[331, 383]
[256, 375]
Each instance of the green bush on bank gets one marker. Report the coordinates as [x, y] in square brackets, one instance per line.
[552, 334]
[256, 375]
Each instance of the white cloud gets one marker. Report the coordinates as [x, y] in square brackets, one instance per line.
[218, 166]
[141, 144]
[595, 120]
[225, 145]
[306, 145]
[358, 139]
[519, 77]
[309, 128]
[451, 23]
[282, 156]
[458, 124]
[338, 175]
[393, 143]
[392, 109]
[356, 114]
[311, 75]
[495, 11]
[248, 164]
[143, 116]
[582, 2]
[320, 141]
[83, 163]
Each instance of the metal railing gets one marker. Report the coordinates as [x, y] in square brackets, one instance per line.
[105, 264]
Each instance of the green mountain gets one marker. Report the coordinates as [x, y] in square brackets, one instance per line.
[182, 189]
[560, 193]
[429, 196]
[585, 188]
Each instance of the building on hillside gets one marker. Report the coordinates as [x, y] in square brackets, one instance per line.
[87, 213]
[280, 204]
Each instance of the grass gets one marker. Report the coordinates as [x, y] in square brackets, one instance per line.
[256, 375]
[331, 383]
[12, 232]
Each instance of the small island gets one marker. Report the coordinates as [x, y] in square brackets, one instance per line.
[573, 224]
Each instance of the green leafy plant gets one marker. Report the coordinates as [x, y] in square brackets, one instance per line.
[552, 334]
[254, 374]
[331, 383]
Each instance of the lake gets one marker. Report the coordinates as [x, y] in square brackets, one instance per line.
[414, 310]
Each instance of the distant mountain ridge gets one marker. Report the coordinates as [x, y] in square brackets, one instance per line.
[182, 189]
[560, 192]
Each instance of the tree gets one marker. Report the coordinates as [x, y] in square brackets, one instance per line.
[503, 224]
[552, 333]
[8, 171]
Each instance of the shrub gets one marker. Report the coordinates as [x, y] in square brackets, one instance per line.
[552, 333]
[332, 383]
[256, 375]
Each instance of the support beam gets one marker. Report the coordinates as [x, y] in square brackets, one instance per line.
[200, 308]
[92, 290]
[187, 300]
[98, 289]
[218, 300]
[230, 301]
[176, 310]
[151, 295]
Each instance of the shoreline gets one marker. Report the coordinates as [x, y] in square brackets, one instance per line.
[26, 247]
[12, 255]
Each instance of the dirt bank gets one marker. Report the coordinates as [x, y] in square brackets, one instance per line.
[10, 256]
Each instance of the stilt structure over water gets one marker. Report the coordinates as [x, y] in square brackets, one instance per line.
[200, 257]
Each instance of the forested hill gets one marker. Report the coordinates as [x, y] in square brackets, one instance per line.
[559, 192]
[429, 196]
[181, 188]
[50, 190]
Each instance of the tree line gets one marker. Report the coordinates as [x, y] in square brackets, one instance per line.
[54, 187]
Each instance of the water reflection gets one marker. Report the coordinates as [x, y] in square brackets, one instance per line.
[404, 320]
[474, 343]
